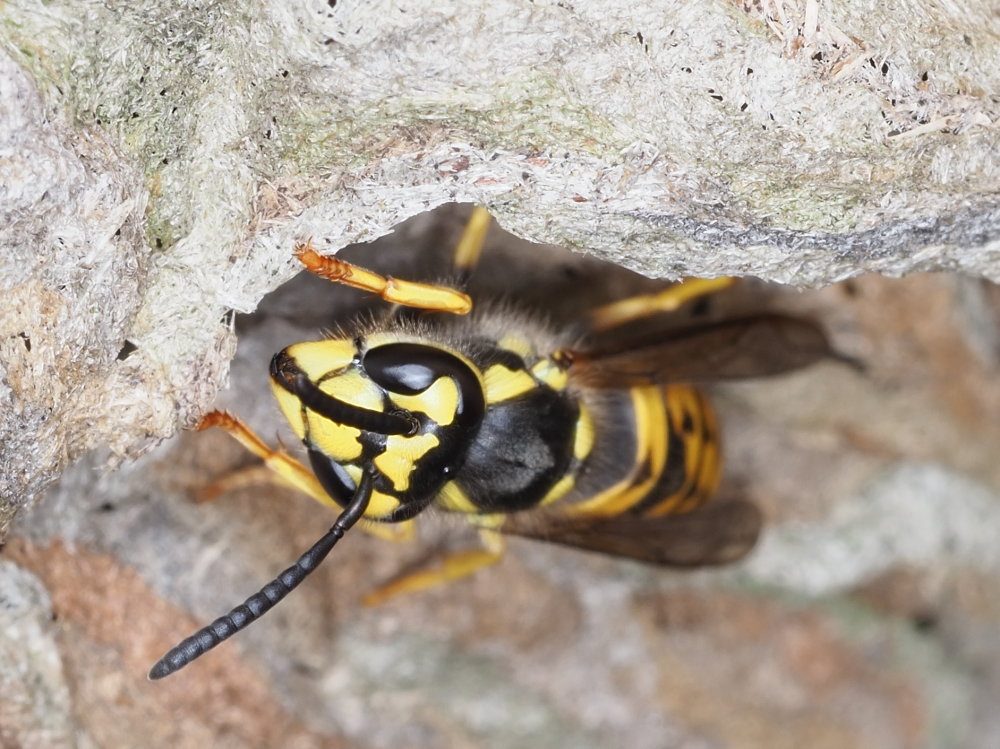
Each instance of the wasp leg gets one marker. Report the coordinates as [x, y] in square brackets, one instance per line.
[452, 567]
[470, 245]
[636, 307]
[281, 468]
[408, 293]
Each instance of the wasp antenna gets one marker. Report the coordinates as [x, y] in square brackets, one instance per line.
[264, 600]
[287, 374]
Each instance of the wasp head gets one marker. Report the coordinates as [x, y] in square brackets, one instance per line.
[408, 408]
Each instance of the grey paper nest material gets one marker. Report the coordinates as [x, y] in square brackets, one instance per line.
[158, 163]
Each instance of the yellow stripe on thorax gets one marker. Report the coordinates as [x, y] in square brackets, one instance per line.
[546, 371]
[503, 384]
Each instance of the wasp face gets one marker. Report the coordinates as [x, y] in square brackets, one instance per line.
[410, 408]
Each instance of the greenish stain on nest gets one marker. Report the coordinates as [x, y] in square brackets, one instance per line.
[529, 114]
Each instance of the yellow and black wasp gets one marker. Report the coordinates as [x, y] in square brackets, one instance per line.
[593, 437]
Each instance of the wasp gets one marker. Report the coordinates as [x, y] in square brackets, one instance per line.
[595, 437]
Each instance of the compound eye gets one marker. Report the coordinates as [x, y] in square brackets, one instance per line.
[406, 368]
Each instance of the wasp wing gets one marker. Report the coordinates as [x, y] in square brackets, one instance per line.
[720, 533]
[753, 346]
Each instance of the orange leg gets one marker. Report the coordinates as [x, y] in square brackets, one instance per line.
[409, 293]
[288, 470]
[284, 470]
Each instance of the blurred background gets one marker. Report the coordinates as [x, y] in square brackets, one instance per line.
[867, 617]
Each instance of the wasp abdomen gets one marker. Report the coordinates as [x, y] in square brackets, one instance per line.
[656, 452]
